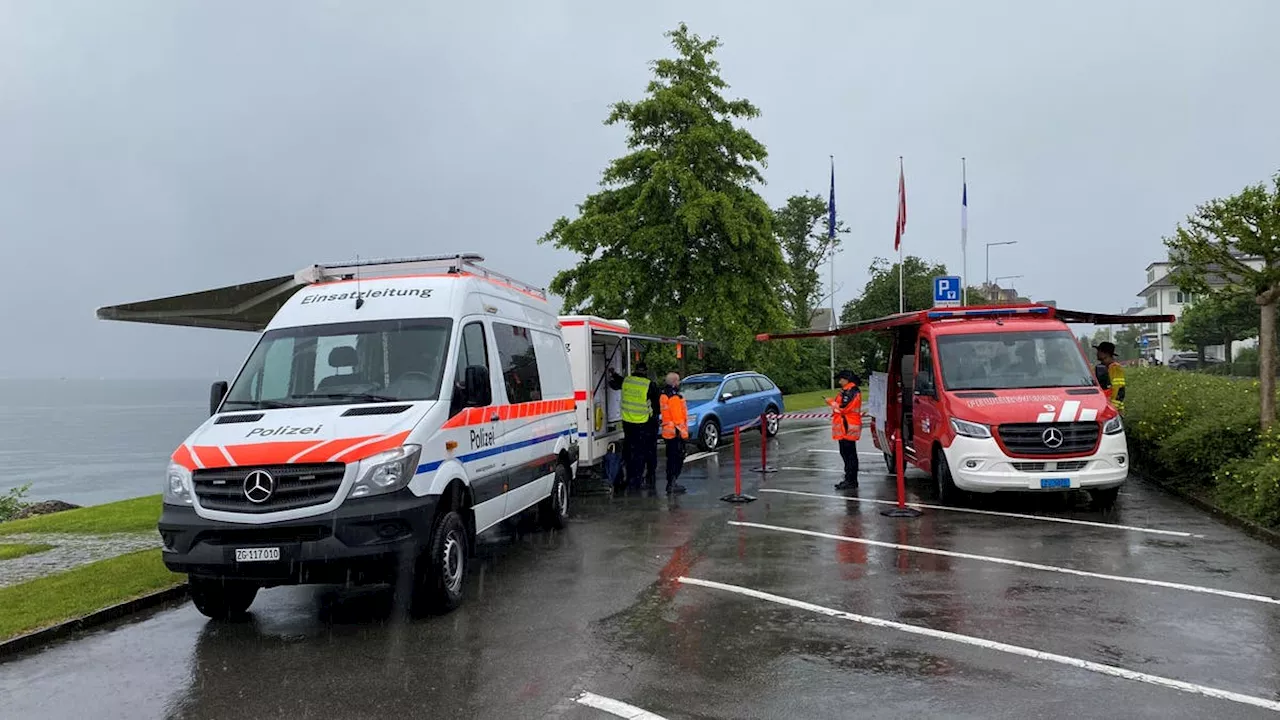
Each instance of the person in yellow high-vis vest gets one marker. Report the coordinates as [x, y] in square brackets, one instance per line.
[1115, 374]
[640, 412]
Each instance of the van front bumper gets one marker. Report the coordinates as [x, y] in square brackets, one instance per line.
[365, 540]
[979, 465]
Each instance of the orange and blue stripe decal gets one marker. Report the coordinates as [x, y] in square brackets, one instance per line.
[284, 453]
[519, 411]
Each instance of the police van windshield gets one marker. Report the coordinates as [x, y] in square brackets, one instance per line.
[344, 363]
[699, 390]
[1012, 360]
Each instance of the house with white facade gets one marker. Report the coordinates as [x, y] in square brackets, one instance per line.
[1163, 297]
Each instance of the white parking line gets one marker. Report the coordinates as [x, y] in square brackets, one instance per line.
[698, 456]
[1100, 668]
[824, 450]
[616, 707]
[809, 469]
[1017, 563]
[803, 429]
[1045, 518]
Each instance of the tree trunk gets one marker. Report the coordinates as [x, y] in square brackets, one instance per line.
[1267, 359]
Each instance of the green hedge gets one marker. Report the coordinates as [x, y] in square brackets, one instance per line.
[1200, 432]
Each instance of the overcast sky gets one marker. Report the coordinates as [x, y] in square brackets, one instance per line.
[154, 148]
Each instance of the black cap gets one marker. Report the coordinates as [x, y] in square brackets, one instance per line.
[1106, 347]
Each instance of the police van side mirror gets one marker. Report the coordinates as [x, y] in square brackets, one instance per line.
[476, 391]
[217, 392]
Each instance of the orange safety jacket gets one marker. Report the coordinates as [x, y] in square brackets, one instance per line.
[846, 414]
[675, 415]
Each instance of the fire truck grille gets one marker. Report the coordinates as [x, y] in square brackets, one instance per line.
[1075, 438]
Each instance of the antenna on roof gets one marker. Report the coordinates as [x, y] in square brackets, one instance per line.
[359, 297]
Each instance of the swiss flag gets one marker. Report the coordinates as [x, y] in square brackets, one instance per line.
[902, 208]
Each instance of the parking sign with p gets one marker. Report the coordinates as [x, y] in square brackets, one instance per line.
[946, 291]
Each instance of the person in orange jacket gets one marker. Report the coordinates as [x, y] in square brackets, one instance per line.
[675, 431]
[846, 425]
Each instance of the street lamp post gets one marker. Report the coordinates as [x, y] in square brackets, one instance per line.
[989, 246]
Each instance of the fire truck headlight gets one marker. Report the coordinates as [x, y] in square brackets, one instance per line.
[970, 429]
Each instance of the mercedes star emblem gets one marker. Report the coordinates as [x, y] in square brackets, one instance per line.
[1052, 438]
[259, 486]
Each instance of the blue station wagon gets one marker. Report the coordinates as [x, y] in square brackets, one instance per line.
[719, 403]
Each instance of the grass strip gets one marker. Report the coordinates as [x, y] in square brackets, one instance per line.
[16, 550]
[807, 401]
[80, 591]
[125, 516]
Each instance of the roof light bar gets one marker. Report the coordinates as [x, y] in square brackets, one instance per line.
[987, 312]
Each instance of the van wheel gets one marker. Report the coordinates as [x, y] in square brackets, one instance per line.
[771, 425]
[219, 598]
[709, 435]
[444, 567]
[554, 511]
[948, 493]
[1103, 500]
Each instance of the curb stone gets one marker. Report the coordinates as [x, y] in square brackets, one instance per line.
[1251, 528]
[44, 636]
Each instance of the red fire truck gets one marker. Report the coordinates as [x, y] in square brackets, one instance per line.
[1000, 398]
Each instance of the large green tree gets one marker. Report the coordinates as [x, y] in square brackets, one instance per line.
[801, 229]
[1218, 319]
[678, 240]
[1216, 241]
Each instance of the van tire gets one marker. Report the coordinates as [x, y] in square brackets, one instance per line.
[443, 568]
[219, 598]
[948, 493]
[1103, 500]
[709, 435]
[553, 512]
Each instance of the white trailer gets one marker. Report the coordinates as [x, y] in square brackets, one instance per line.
[595, 345]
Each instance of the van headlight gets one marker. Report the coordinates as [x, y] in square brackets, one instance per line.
[1114, 426]
[177, 485]
[970, 429]
[387, 471]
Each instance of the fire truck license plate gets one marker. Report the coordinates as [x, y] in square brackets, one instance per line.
[1055, 482]
[257, 554]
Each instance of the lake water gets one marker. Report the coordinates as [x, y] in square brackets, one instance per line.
[94, 441]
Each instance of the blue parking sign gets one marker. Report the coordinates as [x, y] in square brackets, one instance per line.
[946, 291]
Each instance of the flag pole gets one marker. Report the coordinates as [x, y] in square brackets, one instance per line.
[831, 248]
[964, 233]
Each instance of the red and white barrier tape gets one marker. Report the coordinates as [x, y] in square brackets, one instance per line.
[809, 416]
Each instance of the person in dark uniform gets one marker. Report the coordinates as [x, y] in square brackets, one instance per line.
[641, 414]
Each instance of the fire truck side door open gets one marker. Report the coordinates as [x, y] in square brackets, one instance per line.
[927, 416]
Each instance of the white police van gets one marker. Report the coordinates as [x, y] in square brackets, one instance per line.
[390, 411]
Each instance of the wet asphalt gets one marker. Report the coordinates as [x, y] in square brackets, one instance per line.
[598, 608]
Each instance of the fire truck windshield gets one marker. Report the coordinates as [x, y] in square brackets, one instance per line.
[1012, 360]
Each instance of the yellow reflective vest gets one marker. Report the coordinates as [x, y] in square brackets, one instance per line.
[635, 400]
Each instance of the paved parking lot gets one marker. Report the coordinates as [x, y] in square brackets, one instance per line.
[802, 604]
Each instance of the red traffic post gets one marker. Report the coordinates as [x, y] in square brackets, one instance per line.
[901, 510]
[737, 496]
[764, 447]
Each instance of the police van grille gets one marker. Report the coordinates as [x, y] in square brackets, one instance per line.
[1078, 438]
[296, 486]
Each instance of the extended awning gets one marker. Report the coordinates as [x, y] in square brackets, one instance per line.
[244, 306]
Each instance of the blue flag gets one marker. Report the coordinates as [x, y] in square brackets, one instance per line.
[831, 204]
